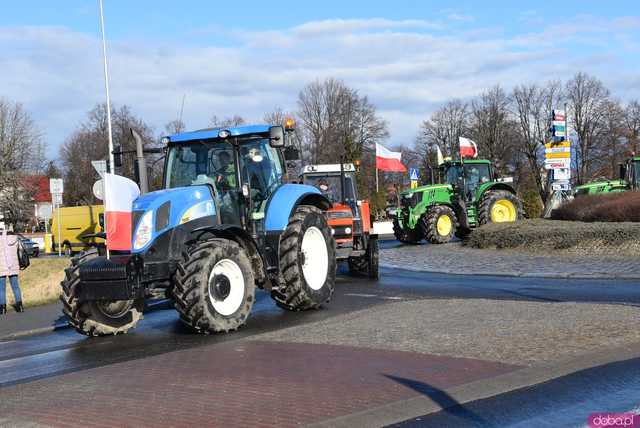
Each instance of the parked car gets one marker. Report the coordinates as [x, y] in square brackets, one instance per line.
[32, 248]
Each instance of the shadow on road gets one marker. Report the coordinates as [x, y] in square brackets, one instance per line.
[441, 398]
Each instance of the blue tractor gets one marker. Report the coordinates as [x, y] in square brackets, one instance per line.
[225, 223]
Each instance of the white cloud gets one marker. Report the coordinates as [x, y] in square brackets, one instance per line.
[407, 68]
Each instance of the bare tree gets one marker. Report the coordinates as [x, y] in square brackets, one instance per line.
[443, 129]
[175, 127]
[21, 154]
[587, 98]
[235, 120]
[491, 126]
[632, 125]
[90, 142]
[612, 147]
[532, 106]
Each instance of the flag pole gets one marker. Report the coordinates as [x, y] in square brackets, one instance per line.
[110, 134]
[377, 190]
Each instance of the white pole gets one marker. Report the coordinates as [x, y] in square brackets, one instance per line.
[377, 190]
[59, 234]
[106, 87]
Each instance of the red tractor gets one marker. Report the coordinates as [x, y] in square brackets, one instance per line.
[349, 217]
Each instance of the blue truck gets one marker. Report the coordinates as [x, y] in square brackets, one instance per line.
[225, 222]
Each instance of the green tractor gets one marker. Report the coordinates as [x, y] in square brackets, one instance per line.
[629, 180]
[469, 197]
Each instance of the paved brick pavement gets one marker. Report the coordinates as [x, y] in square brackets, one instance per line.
[516, 332]
[241, 384]
[455, 258]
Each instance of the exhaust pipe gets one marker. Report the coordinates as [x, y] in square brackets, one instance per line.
[142, 165]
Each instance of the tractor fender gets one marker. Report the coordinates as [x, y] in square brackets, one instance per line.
[494, 186]
[285, 200]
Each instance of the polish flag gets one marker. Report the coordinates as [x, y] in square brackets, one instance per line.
[119, 194]
[387, 160]
[468, 149]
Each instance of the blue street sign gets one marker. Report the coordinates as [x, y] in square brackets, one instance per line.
[414, 174]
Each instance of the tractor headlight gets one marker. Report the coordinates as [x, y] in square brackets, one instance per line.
[143, 231]
[201, 209]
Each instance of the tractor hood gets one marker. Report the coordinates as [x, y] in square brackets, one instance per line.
[426, 188]
[604, 183]
[166, 209]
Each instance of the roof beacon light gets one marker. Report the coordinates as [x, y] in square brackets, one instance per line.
[165, 140]
[289, 124]
[224, 134]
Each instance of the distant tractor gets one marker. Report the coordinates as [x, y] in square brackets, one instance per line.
[629, 180]
[225, 223]
[469, 197]
[349, 217]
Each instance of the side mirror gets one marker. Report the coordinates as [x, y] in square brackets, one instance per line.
[623, 171]
[276, 136]
[117, 156]
[291, 154]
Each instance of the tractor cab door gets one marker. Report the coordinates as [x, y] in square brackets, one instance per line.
[262, 169]
[633, 174]
[475, 175]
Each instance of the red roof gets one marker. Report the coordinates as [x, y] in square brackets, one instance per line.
[40, 184]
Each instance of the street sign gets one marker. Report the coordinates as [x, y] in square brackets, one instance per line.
[559, 155]
[560, 174]
[557, 163]
[414, 184]
[56, 199]
[100, 166]
[558, 150]
[414, 174]
[556, 186]
[557, 145]
[56, 186]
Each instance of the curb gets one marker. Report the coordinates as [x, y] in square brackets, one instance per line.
[404, 410]
[64, 325]
[515, 274]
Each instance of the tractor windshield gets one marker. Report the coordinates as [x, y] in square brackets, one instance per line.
[635, 174]
[200, 163]
[329, 185]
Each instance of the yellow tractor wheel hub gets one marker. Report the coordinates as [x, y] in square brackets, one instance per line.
[503, 210]
[444, 225]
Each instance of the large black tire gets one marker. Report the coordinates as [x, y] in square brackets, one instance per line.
[96, 318]
[440, 234]
[490, 198]
[406, 236]
[211, 301]
[299, 289]
[368, 263]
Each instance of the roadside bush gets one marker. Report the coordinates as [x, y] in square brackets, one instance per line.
[614, 207]
[532, 204]
[548, 236]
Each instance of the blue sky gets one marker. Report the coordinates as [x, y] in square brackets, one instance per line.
[248, 57]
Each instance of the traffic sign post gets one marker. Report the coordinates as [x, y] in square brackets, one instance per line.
[414, 176]
[56, 188]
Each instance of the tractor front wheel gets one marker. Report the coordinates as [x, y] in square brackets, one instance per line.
[440, 224]
[307, 261]
[214, 286]
[405, 235]
[96, 318]
[499, 207]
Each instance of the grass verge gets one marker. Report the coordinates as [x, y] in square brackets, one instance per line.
[539, 235]
[40, 282]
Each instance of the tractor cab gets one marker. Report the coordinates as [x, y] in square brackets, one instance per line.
[630, 172]
[348, 217]
[467, 177]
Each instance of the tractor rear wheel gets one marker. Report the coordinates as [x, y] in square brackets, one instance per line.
[369, 263]
[499, 207]
[96, 318]
[214, 286]
[440, 224]
[307, 261]
[404, 235]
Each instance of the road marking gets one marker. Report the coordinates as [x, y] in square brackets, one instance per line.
[374, 295]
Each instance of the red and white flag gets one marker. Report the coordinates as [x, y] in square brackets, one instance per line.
[386, 160]
[119, 194]
[468, 149]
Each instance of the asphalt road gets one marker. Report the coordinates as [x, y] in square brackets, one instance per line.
[64, 351]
